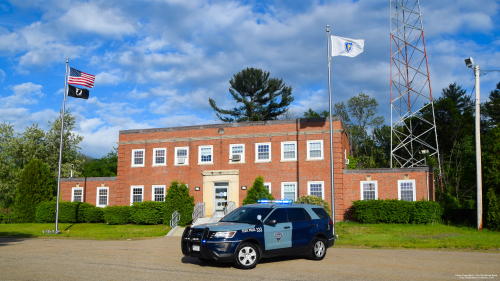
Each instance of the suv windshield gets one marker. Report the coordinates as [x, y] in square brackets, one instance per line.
[246, 215]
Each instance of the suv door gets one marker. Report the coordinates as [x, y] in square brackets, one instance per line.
[279, 235]
[303, 227]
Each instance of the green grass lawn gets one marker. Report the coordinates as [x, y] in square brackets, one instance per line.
[83, 231]
[416, 236]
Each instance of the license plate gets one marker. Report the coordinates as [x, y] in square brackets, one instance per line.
[196, 248]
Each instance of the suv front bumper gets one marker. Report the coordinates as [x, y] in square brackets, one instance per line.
[194, 239]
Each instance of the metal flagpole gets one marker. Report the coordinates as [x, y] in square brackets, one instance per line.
[331, 130]
[61, 146]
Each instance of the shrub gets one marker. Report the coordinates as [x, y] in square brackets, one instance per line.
[257, 192]
[69, 212]
[178, 199]
[36, 184]
[147, 212]
[308, 199]
[396, 211]
[94, 215]
[117, 214]
[493, 213]
[6, 215]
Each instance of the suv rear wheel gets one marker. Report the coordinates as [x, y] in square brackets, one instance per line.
[318, 249]
[247, 256]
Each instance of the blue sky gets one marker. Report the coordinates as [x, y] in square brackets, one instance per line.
[157, 62]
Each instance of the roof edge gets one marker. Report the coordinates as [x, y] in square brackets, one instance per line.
[88, 179]
[386, 170]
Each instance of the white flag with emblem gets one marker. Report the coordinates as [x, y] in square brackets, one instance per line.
[347, 47]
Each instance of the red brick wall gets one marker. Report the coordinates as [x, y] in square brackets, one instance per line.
[89, 186]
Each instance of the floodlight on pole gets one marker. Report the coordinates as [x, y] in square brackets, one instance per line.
[470, 63]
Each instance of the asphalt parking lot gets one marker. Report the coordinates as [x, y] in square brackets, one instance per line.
[161, 259]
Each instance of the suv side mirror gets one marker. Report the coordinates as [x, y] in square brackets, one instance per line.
[271, 222]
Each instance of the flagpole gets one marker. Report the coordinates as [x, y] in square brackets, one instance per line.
[331, 130]
[61, 146]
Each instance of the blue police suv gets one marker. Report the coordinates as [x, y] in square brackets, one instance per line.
[261, 230]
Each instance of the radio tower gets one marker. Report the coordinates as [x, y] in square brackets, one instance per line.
[413, 126]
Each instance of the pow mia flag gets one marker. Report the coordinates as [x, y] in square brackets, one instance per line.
[78, 93]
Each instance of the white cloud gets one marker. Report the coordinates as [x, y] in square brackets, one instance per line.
[106, 78]
[2, 75]
[24, 94]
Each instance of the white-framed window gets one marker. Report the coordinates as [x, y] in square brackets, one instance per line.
[407, 190]
[369, 190]
[288, 151]
[159, 157]
[138, 157]
[206, 154]
[289, 190]
[136, 194]
[237, 149]
[181, 155]
[158, 193]
[76, 194]
[315, 150]
[263, 152]
[102, 197]
[267, 185]
[316, 188]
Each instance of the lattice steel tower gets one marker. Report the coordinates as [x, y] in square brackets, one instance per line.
[413, 124]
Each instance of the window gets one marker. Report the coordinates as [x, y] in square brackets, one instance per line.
[315, 150]
[289, 151]
[298, 214]
[181, 156]
[406, 190]
[136, 194]
[316, 188]
[280, 215]
[158, 193]
[102, 197]
[77, 194]
[267, 185]
[263, 152]
[237, 149]
[322, 214]
[205, 154]
[289, 190]
[137, 157]
[159, 157]
[369, 190]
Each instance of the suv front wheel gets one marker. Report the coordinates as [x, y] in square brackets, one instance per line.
[318, 249]
[247, 256]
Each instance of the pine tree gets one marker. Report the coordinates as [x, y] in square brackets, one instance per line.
[37, 184]
[178, 199]
[257, 192]
[258, 93]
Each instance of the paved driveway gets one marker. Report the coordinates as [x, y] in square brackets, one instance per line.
[161, 259]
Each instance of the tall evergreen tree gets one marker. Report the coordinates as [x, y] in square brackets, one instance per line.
[36, 184]
[259, 95]
[178, 199]
[493, 106]
[257, 192]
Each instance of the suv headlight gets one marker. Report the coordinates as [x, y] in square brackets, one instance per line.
[225, 234]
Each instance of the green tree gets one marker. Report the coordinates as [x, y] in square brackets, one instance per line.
[178, 199]
[9, 171]
[257, 192]
[36, 184]
[107, 166]
[258, 95]
[492, 107]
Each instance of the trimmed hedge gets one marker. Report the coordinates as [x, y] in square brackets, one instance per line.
[117, 214]
[69, 212]
[396, 211]
[147, 212]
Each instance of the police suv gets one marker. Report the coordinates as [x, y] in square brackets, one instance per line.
[261, 230]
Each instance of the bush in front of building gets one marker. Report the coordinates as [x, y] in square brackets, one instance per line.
[94, 215]
[147, 212]
[6, 215]
[178, 199]
[396, 211]
[308, 199]
[36, 185]
[117, 214]
[257, 192]
[69, 212]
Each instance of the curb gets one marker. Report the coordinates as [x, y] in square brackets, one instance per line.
[172, 231]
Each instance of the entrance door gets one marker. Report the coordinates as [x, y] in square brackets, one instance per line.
[220, 197]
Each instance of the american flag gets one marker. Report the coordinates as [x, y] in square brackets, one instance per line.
[77, 77]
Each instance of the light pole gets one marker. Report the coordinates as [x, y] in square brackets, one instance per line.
[470, 63]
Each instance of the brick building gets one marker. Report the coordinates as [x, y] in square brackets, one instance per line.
[218, 162]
